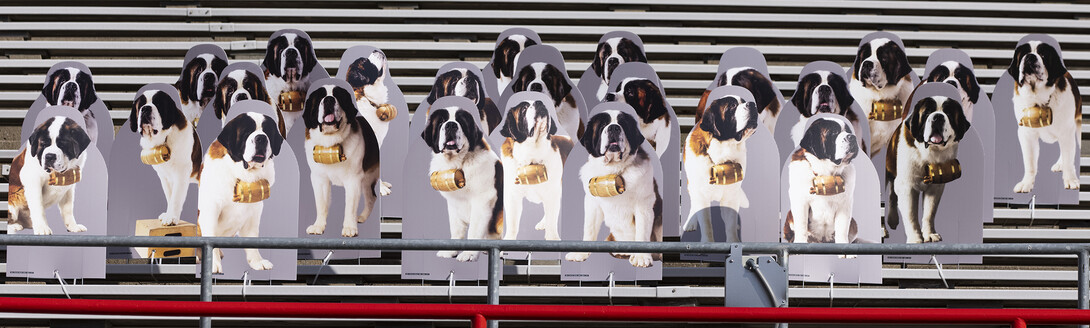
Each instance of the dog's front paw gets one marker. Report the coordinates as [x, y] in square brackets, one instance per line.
[847, 256]
[691, 225]
[468, 256]
[15, 227]
[361, 219]
[260, 264]
[640, 260]
[1058, 166]
[932, 238]
[75, 227]
[385, 188]
[315, 229]
[540, 225]
[447, 254]
[1025, 186]
[914, 239]
[217, 267]
[1071, 182]
[350, 231]
[167, 219]
[42, 230]
[577, 257]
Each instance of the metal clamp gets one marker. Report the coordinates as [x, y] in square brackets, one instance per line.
[938, 266]
[64, 288]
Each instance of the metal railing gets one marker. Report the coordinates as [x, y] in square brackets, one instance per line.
[494, 247]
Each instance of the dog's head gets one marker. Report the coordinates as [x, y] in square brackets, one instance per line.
[58, 144]
[937, 122]
[459, 82]
[643, 95]
[366, 71]
[959, 76]
[153, 112]
[290, 56]
[329, 109]
[832, 140]
[198, 80]
[235, 86]
[730, 118]
[1036, 62]
[70, 87]
[544, 78]
[506, 53]
[612, 53]
[879, 63]
[612, 135]
[452, 131]
[764, 92]
[528, 119]
[822, 92]
[251, 139]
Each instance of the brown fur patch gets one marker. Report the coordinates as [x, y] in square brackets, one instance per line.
[699, 141]
[891, 151]
[700, 106]
[798, 155]
[1078, 100]
[216, 150]
[506, 148]
[15, 183]
[562, 144]
[196, 155]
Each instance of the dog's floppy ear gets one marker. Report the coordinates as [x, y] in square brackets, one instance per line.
[956, 115]
[186, 81]
[169, 112]
[860, 55]
[843, 95]
[630, 51]
[511, 123]
[1016, 61]
[40, 133]
[234, 134]
[474, 134]
[764, 92]
[522, 81]
[894, 62]
[87, 90]
[51, 85]
[273, 133]
[310, 108]
[439, 88]
[803, 93]
[653, 105]
[598, 64]
[222, 99]
[708, 119]
[915, 122]
[631, 132]
[347, 102]
[559, 87]
[1052, 62]
[78, 136]
[967, 79]
[590, 138]
[431, 131]
[140, 101]
[272, 56]
[815, 139]
[552, 124]
[256, 87]
[310, 58]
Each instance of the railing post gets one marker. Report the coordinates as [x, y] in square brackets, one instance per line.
[787, 297]
[1084, 281]
[206, 280]
[495, 272]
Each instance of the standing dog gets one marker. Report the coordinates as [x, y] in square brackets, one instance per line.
[531, 139]
[289, 60]
[547, 79]
[881, 83]
[1043, 84]
[331, 119]
[74, 88]
[242, 154]
[764, 93]
[821, 185]
[821, 92]
[56, 147]
[718, 139]
[476, 209]
[613, 140]
[646, 98]
[612, 53]
[505, 56]
[962, 78]
[161, 125]
[197, 85]
[929, 136]
[460, 82]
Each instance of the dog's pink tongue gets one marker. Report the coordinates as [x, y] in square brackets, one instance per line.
[935, 138]
[329, 118]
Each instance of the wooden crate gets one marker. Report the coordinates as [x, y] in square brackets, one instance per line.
[154, 228]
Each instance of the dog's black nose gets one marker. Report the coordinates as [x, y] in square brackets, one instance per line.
[50, 159]
[611, 97]
[851, 139]
[612, 64]
[241, 97]
[953, 83]
[451, 135]
[613, 137]
[536, 87]
[209, 82]
[824, 99]
[261, 143]
[70, 89]
[291, 58]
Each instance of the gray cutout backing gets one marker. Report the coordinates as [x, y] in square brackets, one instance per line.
[790, 116]
[393, 145]
[740, 57]
[983, 121]
[866, 211]
[1009, 169]
[590, 83]
[210, 125]
[40, 262]
[192, 54]
[491, 81]
[105, 136]
[599, 266]
[760, 185]
[335, 219]
[426, 216]
[317, 73]
[277, 219]
[532, 213]
[139, 195]
[960, 216]
[669, 156]
[469, 69]
[551, 56]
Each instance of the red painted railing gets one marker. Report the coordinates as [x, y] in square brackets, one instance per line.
[477, 314]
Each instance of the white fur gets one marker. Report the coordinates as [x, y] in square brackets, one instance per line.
[698, 172]
[1064, 129]
[175, 173]
[832, 215]
[536, 149]
[797, 130]
[908, 183]
[40, 195]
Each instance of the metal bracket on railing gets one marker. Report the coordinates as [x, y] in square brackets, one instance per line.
[325, 262]
[938, 266]
[609, 290]
[64, 287]
[450, 288]
[831, 276]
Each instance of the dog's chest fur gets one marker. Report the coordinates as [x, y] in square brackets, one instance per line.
[351, 144]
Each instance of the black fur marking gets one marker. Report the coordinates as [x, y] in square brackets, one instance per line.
[503, 58]
[631, 131]
[234, 135]
[646, 98]
[363, 72]
[593, 133]
[820, 140]
[497, 208]
[431, 131]
[764, 92]
[894, 62]
[312, 106]
[40, 139]
[473, 133]
[720, 121]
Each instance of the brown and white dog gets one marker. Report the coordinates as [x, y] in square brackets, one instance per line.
[197, 85]
[242, 153]
[1041, 80]
[930, 135]
[881, 78]
[719, 138]
[647, 99]
[160, 123]
[817, 216]
[289, 61]
[460, 82]
[961, 77]
[531, 139]
[505, 56]
[57, 145]
[822, 92]
[763, 90]
[74, 88]
[367, 76]
[547, 79]
[238, 85]
[613, 140]
[476, 210]
[612, 53]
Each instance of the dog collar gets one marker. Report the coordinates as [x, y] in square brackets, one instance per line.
[942, 172]
[827, 185]
[726, 173]
[448, 180]
[65, 178]
[885, 110]
[251, 192]
[531, 175]
[156, 155]
[606, 185]
[291, 101]
[329, 155]
[385, 112]
[1036, 117]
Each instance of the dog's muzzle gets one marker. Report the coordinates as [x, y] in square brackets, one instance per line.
[1036, 117]
[156, 155]
[329, 155]
[64, 178]
[942, 172]
[606, 185]
[531, 175]
[291, 101]
[726, 173]
[886, 110]
[251, 192]
[827, 185]
[448, 180]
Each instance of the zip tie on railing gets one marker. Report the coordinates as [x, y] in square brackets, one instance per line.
[609, 291]
[1032, 209]
[450, 288]
[325, 262]
[831, 275]
[64, 287]
[938, 266]
[245, 282]
[529, 264]
[151, 266]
